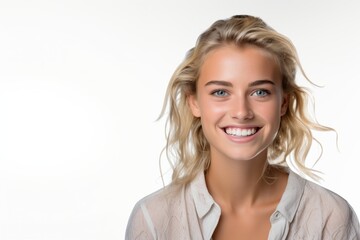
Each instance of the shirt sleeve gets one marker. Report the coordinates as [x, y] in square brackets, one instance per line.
[139, 226]
[349, 228]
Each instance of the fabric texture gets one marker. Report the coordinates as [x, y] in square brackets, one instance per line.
[305, 211]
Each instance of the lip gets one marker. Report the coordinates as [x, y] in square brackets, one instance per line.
[241, 139]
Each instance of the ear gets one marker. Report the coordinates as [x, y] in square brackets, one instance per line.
[194, 106]
[285, 104]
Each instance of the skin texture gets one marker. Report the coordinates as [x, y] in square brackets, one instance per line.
[240, 88]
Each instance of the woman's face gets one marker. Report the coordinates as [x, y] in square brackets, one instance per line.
[240, 101]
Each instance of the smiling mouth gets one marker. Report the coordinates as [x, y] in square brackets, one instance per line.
[240, 132]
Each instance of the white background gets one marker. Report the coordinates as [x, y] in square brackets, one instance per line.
[82, 83]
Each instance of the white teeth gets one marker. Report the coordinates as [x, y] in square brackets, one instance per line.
[238, 132]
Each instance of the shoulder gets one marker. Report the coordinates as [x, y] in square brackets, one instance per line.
[151, 211]
[325, 199]
[327, 210]
[163, 200]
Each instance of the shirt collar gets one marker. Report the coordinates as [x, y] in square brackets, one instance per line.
[292, 196]
[287, 206]
[202, 198]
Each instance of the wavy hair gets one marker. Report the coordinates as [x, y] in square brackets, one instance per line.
[187, 149]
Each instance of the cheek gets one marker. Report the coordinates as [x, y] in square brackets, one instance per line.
[272, 113]
[211, 108]
[211, 114]
[272, 117]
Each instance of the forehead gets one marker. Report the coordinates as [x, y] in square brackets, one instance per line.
[247, 62]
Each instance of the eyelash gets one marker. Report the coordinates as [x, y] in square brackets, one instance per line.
[216, 93]
[266, 92]
[224, 93]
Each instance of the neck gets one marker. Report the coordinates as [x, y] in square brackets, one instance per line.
[237, 184]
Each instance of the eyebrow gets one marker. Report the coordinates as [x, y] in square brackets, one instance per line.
[218, 82]
[261, 82]
[229, 84]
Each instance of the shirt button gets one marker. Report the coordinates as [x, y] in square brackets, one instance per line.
[277, 215]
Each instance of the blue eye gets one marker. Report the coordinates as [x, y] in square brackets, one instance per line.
[261, 93]
[219, 93]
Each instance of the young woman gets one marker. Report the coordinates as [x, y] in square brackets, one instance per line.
[236, 117]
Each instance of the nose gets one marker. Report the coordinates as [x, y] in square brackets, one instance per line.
[241, 109]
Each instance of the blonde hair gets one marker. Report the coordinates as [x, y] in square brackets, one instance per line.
[187, 148]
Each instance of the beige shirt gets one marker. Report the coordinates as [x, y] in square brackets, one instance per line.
[305, 211]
